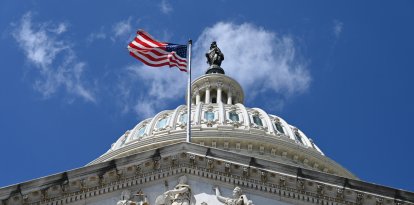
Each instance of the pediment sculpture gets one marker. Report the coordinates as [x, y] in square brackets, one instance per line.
[238, 197]
[127, 199]
[180, 195]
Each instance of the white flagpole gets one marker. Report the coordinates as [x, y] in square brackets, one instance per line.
[190, 42]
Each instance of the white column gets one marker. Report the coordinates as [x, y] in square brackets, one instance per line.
[197, 98]
[207, 95]
[218, 94]
[229, 99]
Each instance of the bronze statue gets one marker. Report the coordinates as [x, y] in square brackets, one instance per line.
[214, 55]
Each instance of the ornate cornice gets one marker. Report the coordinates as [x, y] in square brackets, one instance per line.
[256, 176]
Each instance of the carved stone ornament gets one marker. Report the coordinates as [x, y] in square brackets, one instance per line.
[210, 164]
[300, 184]
[379, 201]
[359, 198]
[320, 189]
[125, 198]
[340, 194]
[263, 176]
[236, 124]
[192, 160]
[219, 83]
[282, 181]
[238, 197]
[180, 195]
[246, 172]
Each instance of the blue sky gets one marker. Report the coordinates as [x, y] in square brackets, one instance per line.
[340, 71]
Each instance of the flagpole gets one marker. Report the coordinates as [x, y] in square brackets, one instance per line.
[190, 42]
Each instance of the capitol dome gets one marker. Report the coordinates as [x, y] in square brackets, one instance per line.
[220, 120]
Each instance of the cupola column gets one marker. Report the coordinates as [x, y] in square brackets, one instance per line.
[229, 99]
[207, 95]
[219, 85]
[197, 98]
[218, 94]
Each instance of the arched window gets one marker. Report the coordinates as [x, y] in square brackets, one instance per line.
[183, 118]
[209, 116]
[298, 137]
[141, 131]
[257, 120]
[233, 116]
[279, 127]
[162, 123]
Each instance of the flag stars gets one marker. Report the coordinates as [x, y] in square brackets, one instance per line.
[181, 50]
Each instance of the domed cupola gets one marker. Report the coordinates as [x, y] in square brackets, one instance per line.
[220, 120]
[214, 86]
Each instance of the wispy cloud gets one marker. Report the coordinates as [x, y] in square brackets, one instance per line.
[157, 88]
[54, 59]
[99, 35]
[337, 28]
[165, 7]
[261, 60]
[59, 29]
[122, 28]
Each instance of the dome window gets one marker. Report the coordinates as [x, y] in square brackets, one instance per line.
[234, 116]
[279, 127]
[183, 118]
[298, 137]
[141, 131]
[162, 123]
[257, 120]
[209, 116]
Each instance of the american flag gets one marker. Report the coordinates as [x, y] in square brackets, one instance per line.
[155, 53]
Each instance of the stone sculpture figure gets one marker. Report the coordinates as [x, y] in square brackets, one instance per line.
[126, 198]
[238, 197]
[180, 195]
[214, 55]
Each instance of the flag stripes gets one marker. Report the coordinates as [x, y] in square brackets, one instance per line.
[156, 54]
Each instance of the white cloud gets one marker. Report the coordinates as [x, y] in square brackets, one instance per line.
[145, 108]
[59, 29]
[165, 7]
[96, 36]
[260, 60]
[122, 28]
[155, 88]
[42, 48]
[338, 27]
